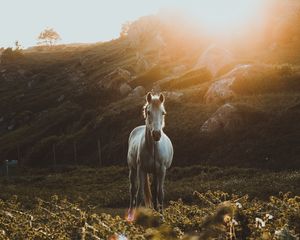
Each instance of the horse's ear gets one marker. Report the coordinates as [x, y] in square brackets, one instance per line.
[149, 97]
[161, 98]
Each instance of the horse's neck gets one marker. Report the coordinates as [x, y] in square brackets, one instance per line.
[148, 140]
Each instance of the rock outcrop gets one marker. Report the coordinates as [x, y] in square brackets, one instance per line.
[117, 80]
[230, 118]
[187, 79]
[138, 92]
[125, 89]
[221, 89]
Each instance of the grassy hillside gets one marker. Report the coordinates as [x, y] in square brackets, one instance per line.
[64, 97]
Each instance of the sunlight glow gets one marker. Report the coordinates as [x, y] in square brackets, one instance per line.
[217, 17]
[98, 20]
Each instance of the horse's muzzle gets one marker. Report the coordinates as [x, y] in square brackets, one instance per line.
[156, 135]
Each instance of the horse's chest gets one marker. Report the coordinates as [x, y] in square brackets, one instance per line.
[146, 161]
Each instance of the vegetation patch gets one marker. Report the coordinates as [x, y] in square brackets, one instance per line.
[217, 215]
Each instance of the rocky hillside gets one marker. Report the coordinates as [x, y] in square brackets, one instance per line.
[227, 105]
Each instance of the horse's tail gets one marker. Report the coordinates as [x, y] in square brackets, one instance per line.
[147, 191]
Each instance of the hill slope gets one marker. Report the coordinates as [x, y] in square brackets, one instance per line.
[80, 98]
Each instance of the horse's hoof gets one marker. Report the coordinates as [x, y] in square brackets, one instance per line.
[130, 215]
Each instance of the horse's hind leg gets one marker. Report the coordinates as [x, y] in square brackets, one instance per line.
[132, 188]
[160, 187]
[141, 184]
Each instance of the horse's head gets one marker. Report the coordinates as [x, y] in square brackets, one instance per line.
[154, 113]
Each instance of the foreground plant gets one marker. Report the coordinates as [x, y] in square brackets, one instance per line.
[217, 215]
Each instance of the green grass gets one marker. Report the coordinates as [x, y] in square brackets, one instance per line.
[108, 187]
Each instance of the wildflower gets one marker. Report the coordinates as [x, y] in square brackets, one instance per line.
[269, 216]
[235, 222]
[122, 237]
[239, 205]
[260, 223]
[227, 218]
[118, 237]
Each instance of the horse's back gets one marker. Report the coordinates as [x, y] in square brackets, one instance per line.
[133, 144]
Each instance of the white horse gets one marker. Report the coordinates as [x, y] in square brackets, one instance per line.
[149, 151]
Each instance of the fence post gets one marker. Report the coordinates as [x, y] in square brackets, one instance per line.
[19, 154]
[6, 163]
[109, 154]
[99, 152]
[54, 155]
[75, 152]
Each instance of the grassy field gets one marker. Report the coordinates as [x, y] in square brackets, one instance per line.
[108, 187]
[201, 203]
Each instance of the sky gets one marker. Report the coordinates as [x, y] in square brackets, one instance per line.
[87, 21]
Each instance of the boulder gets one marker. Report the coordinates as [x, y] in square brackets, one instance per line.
[76, 76]
[21, 72]
[10, 127]
[221, 90]
[30, 83]
[61, 98]
[125, 74]
[214, 59]
[125, 89]
[119, 72]
[138, 92]
[175, 96]
[188, 79]
[115, 79]
[230, 118]
[263, 78]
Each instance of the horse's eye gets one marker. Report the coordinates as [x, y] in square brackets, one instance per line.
[164, 113]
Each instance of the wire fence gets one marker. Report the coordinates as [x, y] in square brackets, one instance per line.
[72, 153]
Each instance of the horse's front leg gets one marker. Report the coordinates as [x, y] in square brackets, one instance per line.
[160, 187]
[155, 191]
[132, 188]
[141, 185]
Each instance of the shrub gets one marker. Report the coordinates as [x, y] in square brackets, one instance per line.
[9, 55]
[223, 216]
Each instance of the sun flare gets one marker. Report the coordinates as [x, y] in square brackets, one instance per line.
[217, 16]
